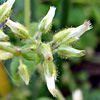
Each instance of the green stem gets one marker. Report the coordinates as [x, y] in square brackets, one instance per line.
[27, 13]
[66, 5]
[54, 51]
[54, 46]
[16, 52]
[67, 72]
[59, 95]
[33, 41]
[39, 38]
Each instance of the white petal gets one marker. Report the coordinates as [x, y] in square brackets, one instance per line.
[50, 15]
[51, 85]
[10, 3]
[77, 95]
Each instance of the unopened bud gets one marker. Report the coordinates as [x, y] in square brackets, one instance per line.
[46, 22]
[5, 43]
[70, 35]
[23, 72]
[18, 29]
[77, 95]
[5, 55]
[5, 10]
[46, 51]
[50, 76]
[3, 37]
[67, 51]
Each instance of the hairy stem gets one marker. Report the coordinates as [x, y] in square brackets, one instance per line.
[33, 41]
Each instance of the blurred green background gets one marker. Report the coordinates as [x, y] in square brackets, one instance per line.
[73, 73]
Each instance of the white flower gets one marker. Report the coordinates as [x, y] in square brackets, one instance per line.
[46, 22]
[71, 35]
[77, 95]
[80, 30]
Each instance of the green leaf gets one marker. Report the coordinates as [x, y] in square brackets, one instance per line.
[31, 65]
[14, 72]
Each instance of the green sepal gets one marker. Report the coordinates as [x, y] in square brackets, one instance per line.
[49, 68]
[5, 16]
[61, 37]
[66, 51]
[46, 51]
[2, 9]
[23, 33]
[42, 26]
[33, 56]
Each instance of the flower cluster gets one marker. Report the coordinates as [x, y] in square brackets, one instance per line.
[38, 51]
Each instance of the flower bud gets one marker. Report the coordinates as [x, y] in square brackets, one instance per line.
[33, 47]
[46, 51]
[23, 72]
[67, 51]
[46, 22]
[18, 29]
[50, 76]
[77, 95]
[5, 10]
[70, 35]
[5, 55]
[3, 37]
[5, 43]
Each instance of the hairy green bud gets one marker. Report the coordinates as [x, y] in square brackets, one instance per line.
[18, 29]
[67, 51]
[46, 22]
[46, 51]
[23, 72]
[5, 55]
[70, 35]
